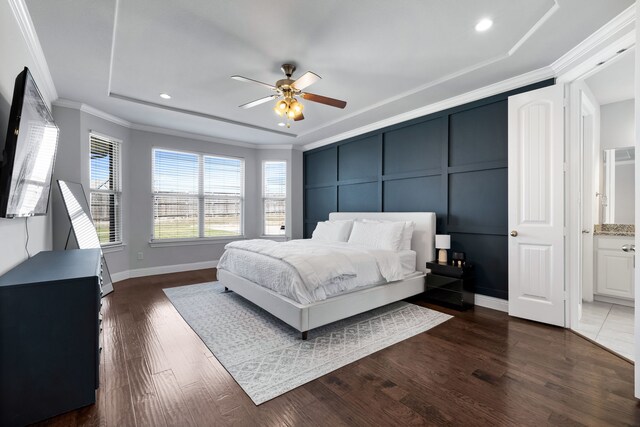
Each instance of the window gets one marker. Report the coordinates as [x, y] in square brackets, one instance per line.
[106, 189]
[274, 193]
[196, 195]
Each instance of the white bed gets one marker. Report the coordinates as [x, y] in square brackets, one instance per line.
[307, 316]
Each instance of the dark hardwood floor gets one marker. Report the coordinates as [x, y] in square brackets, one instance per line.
[479, 368]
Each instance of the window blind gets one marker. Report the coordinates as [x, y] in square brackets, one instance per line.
[106, 189]
[196, 195]
[274, 193]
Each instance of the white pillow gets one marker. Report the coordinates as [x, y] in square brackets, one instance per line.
[377, 235]
[407, 232]
[332, 231]
[407, 235]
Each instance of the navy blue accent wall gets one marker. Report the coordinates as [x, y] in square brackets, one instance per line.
[452, 162]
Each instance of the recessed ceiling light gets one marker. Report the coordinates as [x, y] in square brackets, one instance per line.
[281, 124]
[484, 25]
[165, 96]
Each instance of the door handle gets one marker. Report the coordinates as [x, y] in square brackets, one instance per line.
[513, 233]
[629, 248]
[585, 231]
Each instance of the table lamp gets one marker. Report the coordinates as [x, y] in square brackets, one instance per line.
[443, 242]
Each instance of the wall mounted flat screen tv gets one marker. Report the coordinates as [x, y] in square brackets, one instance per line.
[29, 152]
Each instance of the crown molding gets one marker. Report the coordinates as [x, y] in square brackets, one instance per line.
[67, 103]
[189, 135]
[206, 138]
[104, 115]
[590, 63]
[85, 108]
[41, 69]
[585, 49]
[276, 147]
[484, 92]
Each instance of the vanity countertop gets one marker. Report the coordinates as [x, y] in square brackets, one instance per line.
[614, 230]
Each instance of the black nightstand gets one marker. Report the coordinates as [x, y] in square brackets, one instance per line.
[450, 286]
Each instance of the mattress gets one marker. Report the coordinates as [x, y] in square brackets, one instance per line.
[284, 279]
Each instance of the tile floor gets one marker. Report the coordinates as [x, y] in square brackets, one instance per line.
[610, 325]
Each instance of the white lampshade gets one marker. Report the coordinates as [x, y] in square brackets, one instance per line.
[443, 241]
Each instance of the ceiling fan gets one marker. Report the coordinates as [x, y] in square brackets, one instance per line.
[288, 89]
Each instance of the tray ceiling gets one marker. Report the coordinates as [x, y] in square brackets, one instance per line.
[383, 59]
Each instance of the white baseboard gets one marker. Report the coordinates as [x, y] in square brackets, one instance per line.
[614, 300]
[491, 302]
[163, 269]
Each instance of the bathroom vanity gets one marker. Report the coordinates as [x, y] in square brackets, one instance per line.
[614, 266]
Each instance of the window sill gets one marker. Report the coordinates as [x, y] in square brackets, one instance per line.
[113, 248]
[194, 242]
[276, 238]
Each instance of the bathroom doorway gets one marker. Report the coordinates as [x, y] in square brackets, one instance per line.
[605, 310]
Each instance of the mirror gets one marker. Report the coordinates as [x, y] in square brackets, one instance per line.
[85, 233]
[618, 200]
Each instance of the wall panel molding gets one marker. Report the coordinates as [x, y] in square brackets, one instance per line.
[411, 164]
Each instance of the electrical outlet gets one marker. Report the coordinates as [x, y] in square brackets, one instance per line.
[140, 256]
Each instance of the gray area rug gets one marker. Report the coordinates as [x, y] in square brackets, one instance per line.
[267, 357]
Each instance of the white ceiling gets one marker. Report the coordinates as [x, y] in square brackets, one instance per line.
[384, 60]
[615, 82]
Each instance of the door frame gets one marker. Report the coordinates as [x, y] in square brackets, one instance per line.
[573, 146]
[579, 106]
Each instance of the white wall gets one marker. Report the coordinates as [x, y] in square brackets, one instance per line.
[15, 56]
[617, 125]
[73, 165]
[141, 208]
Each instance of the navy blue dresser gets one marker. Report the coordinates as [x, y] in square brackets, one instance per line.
[49, 335]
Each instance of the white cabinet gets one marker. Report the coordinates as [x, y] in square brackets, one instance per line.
[614, 267]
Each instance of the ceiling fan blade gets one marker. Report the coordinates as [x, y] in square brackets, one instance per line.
[298, 117]
[324, 100]
[259, 101]
[248, 80]
[307, 79]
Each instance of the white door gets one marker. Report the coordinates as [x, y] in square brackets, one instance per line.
[536, 205]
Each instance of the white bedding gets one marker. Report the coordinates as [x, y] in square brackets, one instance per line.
[334, 268]
[408, 261]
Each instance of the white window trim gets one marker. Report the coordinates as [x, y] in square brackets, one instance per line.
[113, 247]
[119, 244]
[276, 237]
[195, 241]
[190, 241]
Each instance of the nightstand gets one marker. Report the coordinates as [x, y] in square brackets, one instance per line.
[450, 286]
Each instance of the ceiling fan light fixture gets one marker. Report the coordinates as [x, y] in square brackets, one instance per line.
[296, 106]
[287, 92]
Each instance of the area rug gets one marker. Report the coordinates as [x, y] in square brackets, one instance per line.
[266, 356]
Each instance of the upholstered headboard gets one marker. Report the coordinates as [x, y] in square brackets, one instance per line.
[423, 241]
